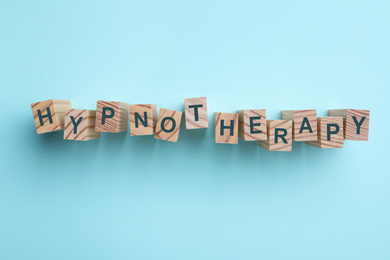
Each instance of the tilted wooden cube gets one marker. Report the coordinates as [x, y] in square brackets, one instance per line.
[304, 124]
[356, 123]
[168, 125]
[49, 115]
[80, 125]
[226, 128]
[143, 119]
[279, 136]
[112, 116]
[196, 113]
[252, 124]
[330, 133]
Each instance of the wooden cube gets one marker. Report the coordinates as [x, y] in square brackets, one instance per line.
[112, 116]
[49, 115]
[168, 125]
[330, 133]
[226, 128]
[196, 113]
[356, 123]
[80, 125]
[143, 119]
[252, 125]
[304, 124]
[279, 136]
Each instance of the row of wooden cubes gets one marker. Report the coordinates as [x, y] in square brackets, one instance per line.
[250, 125]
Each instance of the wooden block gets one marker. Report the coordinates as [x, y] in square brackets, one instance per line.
[356, 123]
[80, 125]
[304, 124]
[252, 125]
[196, 113]
[112, 116]
[226, 128]
[168, 125]
[330, 133]
[143, 119]
[49, 115]
[279, 136]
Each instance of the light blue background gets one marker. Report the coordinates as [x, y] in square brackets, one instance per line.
[125, 197]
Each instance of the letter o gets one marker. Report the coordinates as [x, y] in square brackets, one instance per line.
[173, 124]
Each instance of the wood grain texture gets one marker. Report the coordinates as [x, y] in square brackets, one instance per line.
[151, 119]
[85, 130]
[297, 116]
[203, 121]
[57, 111]
[336, 140]
[118, 123]
[273, 144]
[244, 127]
[226, 138]
[171, 132]
[350, 128]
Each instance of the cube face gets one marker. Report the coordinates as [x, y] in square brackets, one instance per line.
[143, 119]
[356, 123]
[49, 115]
[196, 113]
[329, 139]
[80, 125]
[226, 128]
[304, 124]
[279, 136]
[252, 125]
[168, 125]
[112, 116]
